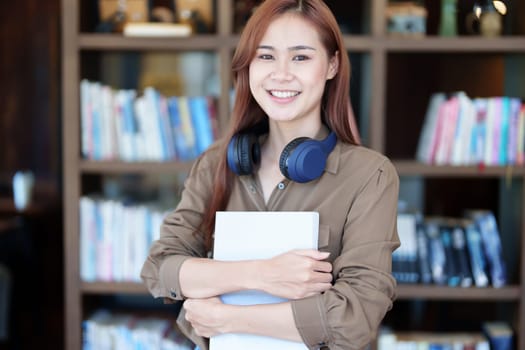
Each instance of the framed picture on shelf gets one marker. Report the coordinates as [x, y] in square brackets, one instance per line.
[198, 12]
[133, 10]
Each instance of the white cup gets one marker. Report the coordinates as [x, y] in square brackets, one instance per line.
[23, 182]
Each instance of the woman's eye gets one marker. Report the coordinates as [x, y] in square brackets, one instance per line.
[265, 56]
[300, 58]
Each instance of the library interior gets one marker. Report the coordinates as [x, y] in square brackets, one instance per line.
[130, 93]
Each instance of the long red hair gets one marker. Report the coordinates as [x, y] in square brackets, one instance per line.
[335, 104]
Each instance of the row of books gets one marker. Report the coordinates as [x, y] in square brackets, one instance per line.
[494, 335]
[432, 341]
[124, 331]
[121, 124]
[115, 238]
[456, 252]
[458, 130]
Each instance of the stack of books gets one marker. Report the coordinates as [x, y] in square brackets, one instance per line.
[456, 252]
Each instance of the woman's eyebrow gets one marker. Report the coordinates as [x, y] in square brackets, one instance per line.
[301, 47]
[292, 48]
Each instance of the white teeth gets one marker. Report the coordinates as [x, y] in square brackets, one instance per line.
[284, 94]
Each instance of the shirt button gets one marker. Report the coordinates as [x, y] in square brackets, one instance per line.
[281, 186]
[173, 294]
[252, 189]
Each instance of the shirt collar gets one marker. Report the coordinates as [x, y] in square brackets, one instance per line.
[332, 162]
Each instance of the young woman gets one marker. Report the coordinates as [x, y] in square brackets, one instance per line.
[291, 75]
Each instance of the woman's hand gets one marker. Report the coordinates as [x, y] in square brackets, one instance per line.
[205, 316]
[296, 274]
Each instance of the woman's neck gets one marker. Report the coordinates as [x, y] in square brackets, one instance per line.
[280, 134]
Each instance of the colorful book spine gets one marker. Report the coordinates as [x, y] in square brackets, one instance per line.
[487, 225]
[176, 127]
[503, 156]
[423, 254]
[512, 145]
[478, 262]
[437, 251]
[460, 254]
[201, 122]
[187, 126]
[429, 132]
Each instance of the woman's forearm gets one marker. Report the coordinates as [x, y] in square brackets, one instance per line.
[273, 320]
[210, 317]
[205, 278]
[293, 275]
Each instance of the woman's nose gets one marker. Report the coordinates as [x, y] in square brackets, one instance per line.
[281, 71]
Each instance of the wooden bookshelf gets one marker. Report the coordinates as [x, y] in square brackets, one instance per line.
[410, 167]
[113, 288]
[404, 292]
[113, 167]
[380, 86]
[408, 292]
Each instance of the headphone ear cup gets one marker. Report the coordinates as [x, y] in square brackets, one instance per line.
[243, 154]
[247, 153]
[231, 155]
[284, 163]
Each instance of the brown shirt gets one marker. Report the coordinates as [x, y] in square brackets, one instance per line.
[356, 198]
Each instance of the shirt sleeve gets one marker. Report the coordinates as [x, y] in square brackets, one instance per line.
[178, 241]
[347, 316]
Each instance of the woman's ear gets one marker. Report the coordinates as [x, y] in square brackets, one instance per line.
[333, 66]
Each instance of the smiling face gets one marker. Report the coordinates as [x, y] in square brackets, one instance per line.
[290, 69]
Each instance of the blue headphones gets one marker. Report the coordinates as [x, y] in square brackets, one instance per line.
[302, 160]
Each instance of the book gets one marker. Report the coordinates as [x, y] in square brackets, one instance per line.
[451, 267]
[423, 254]
[107, 127]
[479, 131]
[187, 128]
[412, 340]
[404, 259]
[478, 262]
[127, 127]
[88, 231]
[154, 115]
[86, 119]
[448, 120]
[492, 135]
[504, 138]
[462, 138]
[437, 256]
[95, 93]
[487, 225]
[512, 145]
[179, 138]
[241, 235]
[460, 254]
[156, 29]
[105, 329]
[201, 121]
[165, 129]
[428, 135]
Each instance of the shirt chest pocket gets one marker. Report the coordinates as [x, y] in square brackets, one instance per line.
[324, 237]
